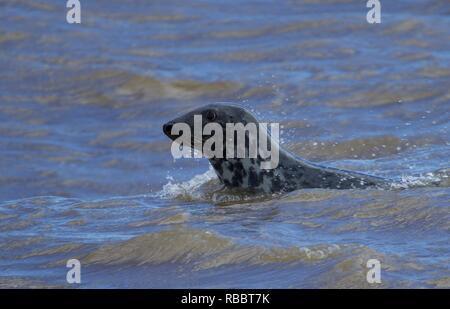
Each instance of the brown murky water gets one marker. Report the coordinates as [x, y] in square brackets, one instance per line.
[86, 173]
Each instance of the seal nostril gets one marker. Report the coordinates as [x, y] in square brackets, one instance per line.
[167, 128]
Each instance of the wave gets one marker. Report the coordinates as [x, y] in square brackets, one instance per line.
[204, 249]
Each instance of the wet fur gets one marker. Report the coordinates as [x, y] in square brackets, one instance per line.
[292, 172]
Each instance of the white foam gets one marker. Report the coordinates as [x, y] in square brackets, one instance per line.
[416, 181]
[189, 188]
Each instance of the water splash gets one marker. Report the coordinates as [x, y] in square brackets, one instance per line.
[206, 187]
[439, 178]
[187, 190]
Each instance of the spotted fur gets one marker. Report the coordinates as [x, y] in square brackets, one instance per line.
[291, 173]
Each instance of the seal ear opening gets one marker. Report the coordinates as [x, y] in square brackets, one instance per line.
[167, 129]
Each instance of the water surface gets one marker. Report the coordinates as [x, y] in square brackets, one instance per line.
[85, 171]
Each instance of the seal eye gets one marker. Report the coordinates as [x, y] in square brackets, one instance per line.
[211, 115]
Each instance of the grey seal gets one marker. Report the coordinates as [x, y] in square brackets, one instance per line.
[292, 172]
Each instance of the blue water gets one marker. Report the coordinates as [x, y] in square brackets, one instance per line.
[85, 171]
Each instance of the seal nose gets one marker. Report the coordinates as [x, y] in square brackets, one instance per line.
[167, 128]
